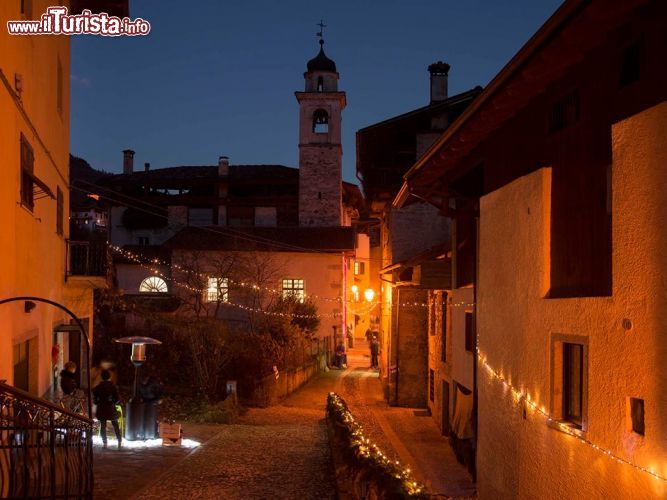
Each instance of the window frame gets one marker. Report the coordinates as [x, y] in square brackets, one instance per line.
[219, 292]
[160, 281]
[292, 290]
[60, 211]
[27, 182]
[557, 396]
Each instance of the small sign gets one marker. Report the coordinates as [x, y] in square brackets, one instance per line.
[171, 434]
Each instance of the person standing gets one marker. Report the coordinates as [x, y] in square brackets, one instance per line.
[151, 390]
[375, 350]
[106, 397]
[69, 380]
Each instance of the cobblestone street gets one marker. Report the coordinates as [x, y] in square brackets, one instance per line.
[282, 451]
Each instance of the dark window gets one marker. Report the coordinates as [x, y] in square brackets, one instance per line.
[573, 382]
[564, 112]
[443, 329]
[27, 169]
[637, 415]
[465, 251]
[431, 385]
[59, 88]
[470, 332]
[144, 240]
[320, 122]
[26, 8]
[581, 218]
[631, 65]
[241, 216]
[320, 84]
[22, 366]
[60, 212]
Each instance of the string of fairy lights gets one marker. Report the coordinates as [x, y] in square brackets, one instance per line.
[365, 446]
[244, 307]
[152, 261]
[523, 396]
[370, 451]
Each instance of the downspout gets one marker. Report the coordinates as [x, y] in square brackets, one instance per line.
[476, 353]
[344, 314]
[398, 330]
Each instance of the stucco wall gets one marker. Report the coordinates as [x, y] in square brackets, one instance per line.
[525, 458]
[32, 255]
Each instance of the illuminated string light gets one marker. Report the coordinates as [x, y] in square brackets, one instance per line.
[520, 395]
[368, 451]
[186, 286]
[140, 259]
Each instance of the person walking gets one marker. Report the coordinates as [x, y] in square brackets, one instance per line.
[369, 335]
[375, 350]
[105, 397]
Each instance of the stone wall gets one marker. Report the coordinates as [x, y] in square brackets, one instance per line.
[410, 339]
[320, 188]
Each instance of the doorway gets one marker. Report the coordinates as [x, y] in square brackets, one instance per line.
[445, 425]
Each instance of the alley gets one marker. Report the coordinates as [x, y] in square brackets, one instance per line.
[282, 451]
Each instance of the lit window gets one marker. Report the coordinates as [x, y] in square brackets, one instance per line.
[153, 284]
[294, 288]
[359, 268]
[217, 289]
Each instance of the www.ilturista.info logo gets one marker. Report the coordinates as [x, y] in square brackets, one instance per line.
[56, 21]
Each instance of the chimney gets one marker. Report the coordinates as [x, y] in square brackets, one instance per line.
[223, 165]
[147, 167]
[439, 71]
[128, 161]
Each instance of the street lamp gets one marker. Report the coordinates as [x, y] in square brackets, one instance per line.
[135, 416]
[369, 294]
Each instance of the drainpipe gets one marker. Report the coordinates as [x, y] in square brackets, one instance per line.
[344, 326]
[398, 333]
[476, 353]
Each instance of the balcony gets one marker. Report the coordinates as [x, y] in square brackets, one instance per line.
[87, 259]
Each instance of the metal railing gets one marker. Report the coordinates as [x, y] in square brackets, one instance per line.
[45, 450]
[86, 258]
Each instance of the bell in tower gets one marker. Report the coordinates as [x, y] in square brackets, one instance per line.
[320, 150]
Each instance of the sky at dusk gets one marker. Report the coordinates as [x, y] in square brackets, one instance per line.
[219, 79]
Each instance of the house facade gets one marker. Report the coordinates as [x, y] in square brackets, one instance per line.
[282, 230]
[561, 161]
[38, 259]
[385, 151]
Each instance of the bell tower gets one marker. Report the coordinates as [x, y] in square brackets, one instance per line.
[320, 150]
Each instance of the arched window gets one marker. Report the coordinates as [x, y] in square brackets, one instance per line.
[320, 84]
[153, 284]
[320, 122]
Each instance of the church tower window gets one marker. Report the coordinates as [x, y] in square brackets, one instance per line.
[320, 122]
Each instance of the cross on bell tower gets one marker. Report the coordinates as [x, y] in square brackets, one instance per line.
[320, 150]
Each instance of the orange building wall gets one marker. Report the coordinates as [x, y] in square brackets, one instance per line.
[524, 457]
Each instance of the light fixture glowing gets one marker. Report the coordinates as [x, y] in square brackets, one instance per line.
[148, 443]
[369, 294]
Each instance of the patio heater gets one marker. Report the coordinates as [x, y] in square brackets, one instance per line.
[139, 419]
